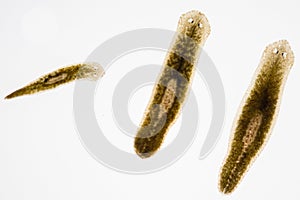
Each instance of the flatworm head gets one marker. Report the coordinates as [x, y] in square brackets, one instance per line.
[195, 25]
[279, 54]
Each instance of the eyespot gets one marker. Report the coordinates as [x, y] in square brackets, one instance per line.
[284, 55]
[191, 20]
[275, 51]
[200, 25]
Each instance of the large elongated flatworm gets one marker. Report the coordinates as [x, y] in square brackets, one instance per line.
[257, 114]
[173, 83]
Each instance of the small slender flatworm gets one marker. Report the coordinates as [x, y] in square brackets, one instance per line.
[257, 114]
[173, 83]
[89, 71]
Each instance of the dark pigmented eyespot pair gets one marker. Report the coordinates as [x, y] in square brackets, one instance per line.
[191, 20]
[276, 51]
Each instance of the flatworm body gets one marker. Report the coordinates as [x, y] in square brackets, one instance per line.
[257, 114]
[90, 71]
[173, 83]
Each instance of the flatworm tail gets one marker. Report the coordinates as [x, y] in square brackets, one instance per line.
[257, 114]
[90, 71]
[173, 83]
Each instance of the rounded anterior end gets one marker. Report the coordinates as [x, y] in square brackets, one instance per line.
[195, 25]
[91, 71]
[280, 52]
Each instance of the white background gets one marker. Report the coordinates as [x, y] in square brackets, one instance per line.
[41, 156]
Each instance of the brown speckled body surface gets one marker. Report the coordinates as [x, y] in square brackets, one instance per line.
[173, 83]
[91, 71]
[257, 114]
